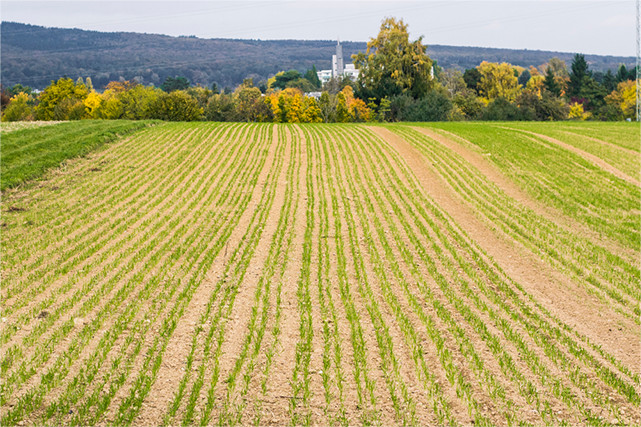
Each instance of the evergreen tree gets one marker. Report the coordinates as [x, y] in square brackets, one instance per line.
[472, 77]
[609, 81]
[622, 74]
[312, 76]
[550, 83]
[171, 84]
[524, 77]
[578, 75]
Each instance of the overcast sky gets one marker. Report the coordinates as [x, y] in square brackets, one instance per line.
[599, 27]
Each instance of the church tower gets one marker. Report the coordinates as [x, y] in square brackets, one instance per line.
[338, 67]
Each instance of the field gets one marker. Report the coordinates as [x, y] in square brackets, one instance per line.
[207, 273]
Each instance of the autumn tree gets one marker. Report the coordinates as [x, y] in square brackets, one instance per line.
[624, 99]
[392, 65]
[327, 105]
[498, 81]
[177, 105]
[220, 108]
[61, 100]
[19, 108]
[92, 103]
[342, 113]
[248, 103]
[311, 111]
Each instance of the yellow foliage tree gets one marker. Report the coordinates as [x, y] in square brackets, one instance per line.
[19, 108]
[110, 107]
[498, 81]
[536, 84]
[311, 111]
[357, 109]
[624, 98]
[92, 102]
[577, 112]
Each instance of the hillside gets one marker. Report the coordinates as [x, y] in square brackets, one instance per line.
[34, 55]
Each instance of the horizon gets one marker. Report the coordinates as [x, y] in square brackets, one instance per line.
[605, 28]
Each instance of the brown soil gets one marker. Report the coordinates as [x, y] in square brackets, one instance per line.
[179, 346]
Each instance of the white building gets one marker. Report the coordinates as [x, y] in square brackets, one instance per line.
[339, 69]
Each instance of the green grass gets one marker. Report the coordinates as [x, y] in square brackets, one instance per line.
[29, 152]
[617, 145]
[559, 178]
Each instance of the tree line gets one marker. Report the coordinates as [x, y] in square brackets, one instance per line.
[398, 82]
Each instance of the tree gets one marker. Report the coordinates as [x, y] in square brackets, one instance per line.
[110, 108]
[524, 77]
[18, 109]
[392, 65]
[5, 97]
[171, 84]
[311, 111]
[541, 107]
[536, 84]
[247, 99]
[577, 112]
[624, 99]
[453, 81]
[342, 113]
[622, 74]
[69, 109]
[609, 81]
[18, 88]
[92, 102]
[301, 84]
[176, 106]
[500, 109]
[282, 78]
[312, 76]
[356, 108]
[578, 76]
[137, 101]
[469, 104]
[63, 90]
[472, 78]
[327, 108]
[498, 81]
[550, 82]
[220, 108]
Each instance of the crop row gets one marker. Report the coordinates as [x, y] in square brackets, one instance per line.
[120, 300]
[607, 274]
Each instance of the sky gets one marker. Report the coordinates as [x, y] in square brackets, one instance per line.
[606, 27]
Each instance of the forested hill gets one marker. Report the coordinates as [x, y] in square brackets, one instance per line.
[34, 55]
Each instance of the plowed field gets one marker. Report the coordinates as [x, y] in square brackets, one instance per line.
[328, 274]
